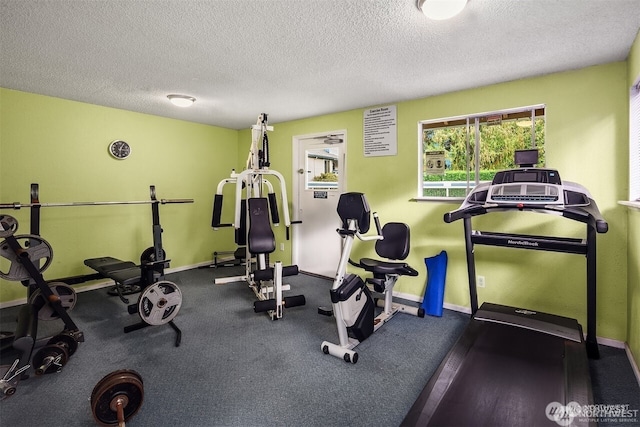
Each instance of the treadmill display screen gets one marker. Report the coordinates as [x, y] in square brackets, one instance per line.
[525, 177]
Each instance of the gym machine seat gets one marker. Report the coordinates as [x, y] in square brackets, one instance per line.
[124, 273]
[262, 241]
[394, 246]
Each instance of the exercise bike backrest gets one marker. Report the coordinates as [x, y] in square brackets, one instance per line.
[395, 242]
[392, 239]
[354, 207]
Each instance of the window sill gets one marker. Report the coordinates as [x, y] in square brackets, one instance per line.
[634, 205]
[456, 200]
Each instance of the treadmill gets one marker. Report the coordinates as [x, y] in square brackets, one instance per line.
[515, 366]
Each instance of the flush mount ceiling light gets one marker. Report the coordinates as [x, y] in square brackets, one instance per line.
[181, 100]
[441, 9]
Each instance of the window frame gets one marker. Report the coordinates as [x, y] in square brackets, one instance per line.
[634, 144]
[535, 111]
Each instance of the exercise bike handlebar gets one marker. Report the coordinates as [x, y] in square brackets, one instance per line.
[377, 222]
[377, 236]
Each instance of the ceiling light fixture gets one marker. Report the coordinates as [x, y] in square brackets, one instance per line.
[181, 100]
[441, 9]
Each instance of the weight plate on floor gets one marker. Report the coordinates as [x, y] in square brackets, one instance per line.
[159, 303]
[8, 225]
[50, 358]
[67, 297]
[34, 247]
[65, 340]
[123, 387]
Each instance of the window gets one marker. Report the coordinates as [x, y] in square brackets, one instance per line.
[457, 153]
[634, 144]
[322, 169]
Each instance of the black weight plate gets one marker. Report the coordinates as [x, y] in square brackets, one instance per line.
[8, 225]
[67, 297]
[149, 255]
[50, 350]
[67, 341]
[122, 384]
[33, 247]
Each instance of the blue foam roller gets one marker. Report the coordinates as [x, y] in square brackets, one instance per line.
[436, 277]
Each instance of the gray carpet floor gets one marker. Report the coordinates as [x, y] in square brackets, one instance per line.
[235, 367]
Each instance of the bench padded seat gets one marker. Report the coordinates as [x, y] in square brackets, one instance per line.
[123, 272]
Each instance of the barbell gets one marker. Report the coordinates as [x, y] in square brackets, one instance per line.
[18, 205]
[36, 203]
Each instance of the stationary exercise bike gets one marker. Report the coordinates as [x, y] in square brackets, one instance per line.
[351, 297]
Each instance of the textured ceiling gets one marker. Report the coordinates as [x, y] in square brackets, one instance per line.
[293, 58]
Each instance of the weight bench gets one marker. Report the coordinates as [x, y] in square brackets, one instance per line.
[159, 299]
[126, 274]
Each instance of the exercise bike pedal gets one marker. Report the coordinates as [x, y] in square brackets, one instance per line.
[325, 311]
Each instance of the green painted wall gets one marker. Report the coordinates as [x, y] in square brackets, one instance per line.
[62, 145]
[587, 128]
[633, 253]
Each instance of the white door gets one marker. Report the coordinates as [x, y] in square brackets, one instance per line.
[319, 179]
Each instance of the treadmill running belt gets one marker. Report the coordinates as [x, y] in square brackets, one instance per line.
[498, 375]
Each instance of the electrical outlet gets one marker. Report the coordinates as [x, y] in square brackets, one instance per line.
[480, 281]
[282, 246]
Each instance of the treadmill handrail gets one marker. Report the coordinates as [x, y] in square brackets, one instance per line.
[588, 214]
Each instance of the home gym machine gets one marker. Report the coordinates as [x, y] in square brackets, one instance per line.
[28, 256]
[511, 363]
[253, 226]
[159, 300]
[351, 298]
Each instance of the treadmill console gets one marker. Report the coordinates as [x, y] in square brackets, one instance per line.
[535, 188]
[550, 176]
[526, 185]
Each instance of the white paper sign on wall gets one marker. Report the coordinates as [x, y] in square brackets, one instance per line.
[380, 131]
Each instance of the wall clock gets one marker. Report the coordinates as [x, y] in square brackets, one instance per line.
[119, 149]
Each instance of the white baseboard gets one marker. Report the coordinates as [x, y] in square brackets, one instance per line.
[611, 343]
[459, 308]
[633, 363]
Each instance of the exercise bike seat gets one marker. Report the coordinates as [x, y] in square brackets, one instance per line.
[394, 246]
[379, 267]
